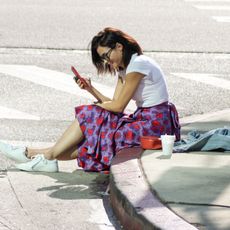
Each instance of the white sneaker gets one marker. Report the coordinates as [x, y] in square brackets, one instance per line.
[39, 164]
[16, 153]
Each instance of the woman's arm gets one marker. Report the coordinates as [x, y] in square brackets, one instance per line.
[123, 93]
[119, 87]
[99, 96]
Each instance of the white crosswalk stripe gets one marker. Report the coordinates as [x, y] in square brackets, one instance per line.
[32, 144]
[221, 18]
[220, 6]
[222, 1]
[8, 113]
[52, 79]
[49, 78]
[209, 79]
[212, 7]
[64, 82]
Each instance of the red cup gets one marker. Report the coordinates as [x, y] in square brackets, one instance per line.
[151, 142]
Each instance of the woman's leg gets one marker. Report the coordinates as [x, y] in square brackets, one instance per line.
[30, 152]
[65, 156]
[65, 147]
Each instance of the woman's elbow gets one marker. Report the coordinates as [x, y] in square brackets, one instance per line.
[119, 108]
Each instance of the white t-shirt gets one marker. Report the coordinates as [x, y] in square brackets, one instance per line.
[152, 89]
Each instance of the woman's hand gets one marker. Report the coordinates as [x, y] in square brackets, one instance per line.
[87, 86]
[85, 83]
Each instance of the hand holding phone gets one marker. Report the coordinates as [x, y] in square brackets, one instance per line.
[78, 77]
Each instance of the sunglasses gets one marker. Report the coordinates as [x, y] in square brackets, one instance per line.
[106, 56]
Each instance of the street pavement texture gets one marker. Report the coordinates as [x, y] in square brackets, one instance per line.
[51, 195]
[170, 25]
[37, 201]
[186, 191]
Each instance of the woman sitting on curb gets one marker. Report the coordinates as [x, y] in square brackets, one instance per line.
[100, 130]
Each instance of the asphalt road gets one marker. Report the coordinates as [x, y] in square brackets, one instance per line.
[168, 25]
[189, 39]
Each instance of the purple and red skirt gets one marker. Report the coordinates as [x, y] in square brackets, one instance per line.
[106, 132]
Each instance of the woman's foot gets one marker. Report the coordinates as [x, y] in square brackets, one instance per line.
[30, 153]
[39, 164]
[16, 153]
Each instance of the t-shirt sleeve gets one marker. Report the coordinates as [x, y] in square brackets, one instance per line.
[139, 65]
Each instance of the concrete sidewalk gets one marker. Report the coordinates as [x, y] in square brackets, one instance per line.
[71, 199]
[186, 191]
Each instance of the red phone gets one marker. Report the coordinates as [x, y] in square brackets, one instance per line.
[78, 76]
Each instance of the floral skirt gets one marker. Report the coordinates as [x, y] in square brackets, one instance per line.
[106, 132]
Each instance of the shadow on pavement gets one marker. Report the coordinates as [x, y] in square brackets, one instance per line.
[75, 185]
[198, 194]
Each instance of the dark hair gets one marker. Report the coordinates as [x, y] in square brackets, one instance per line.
[109, 37]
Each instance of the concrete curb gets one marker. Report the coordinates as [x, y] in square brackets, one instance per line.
[134, 204]
[201, 117]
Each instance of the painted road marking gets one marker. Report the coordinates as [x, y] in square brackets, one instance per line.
[7, 113]
[56, 80]
[212, 7]
[209, 79]
[29, 143]
[207, 6]
[50, 78]
[207, 1]
[221, 18]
